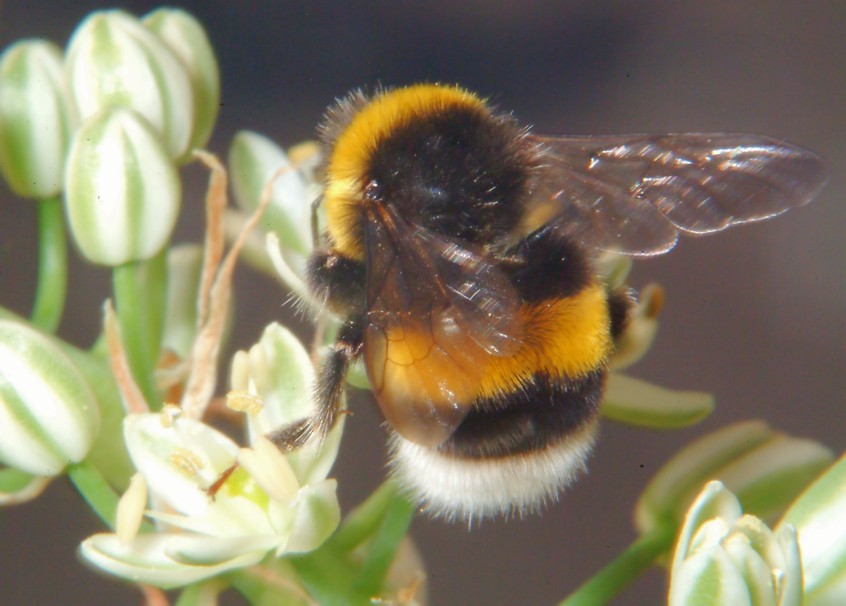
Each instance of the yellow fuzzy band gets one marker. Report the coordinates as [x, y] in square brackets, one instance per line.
[349, 161]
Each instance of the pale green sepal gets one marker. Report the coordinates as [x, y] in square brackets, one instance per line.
[317, 516]
[253, 161]
[637, 402]
[18, 487]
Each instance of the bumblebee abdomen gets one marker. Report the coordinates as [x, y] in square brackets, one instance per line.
[532, 422]
[568, 336]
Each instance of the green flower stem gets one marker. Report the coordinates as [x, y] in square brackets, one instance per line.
[273, 582]
[52, 265]
[330, 578]
[363, 521]
[190, 596]
[98, 494]
[95, 490]
[624, 569]
[140, 288]
[386, 541]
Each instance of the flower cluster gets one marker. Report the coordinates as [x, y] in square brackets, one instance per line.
[96, 136]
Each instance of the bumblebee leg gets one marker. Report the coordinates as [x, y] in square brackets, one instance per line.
[328, 391]
[338, 280]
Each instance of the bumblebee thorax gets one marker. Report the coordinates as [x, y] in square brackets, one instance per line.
[439, 156]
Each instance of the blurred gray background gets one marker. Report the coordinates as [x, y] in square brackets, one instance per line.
[754, 315]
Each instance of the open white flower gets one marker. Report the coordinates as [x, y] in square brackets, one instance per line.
[262, 507]
[270, 503]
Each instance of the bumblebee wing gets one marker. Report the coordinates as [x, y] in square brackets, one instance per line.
[437, 312]
[634, 193]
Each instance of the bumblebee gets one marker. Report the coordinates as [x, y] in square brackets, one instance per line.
[459, 252]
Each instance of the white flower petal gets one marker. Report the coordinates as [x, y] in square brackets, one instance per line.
[180, 461]
[318, 515]
[280, 370]
[198, 550]
[146, 560]
[226, 517]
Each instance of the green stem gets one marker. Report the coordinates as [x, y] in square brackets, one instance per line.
[383, 549]
[52, 265]
[329, 578]
[362, 522]
[140, 289]
[95, 490]
[98, 493]
[624, 569]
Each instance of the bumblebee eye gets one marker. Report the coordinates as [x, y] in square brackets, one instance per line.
[373, 191]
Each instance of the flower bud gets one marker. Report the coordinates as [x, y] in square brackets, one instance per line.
[187, 39]
[48, 414]
[725, 558]
[766, 469]
[819, 516]
[122, 191]
[114, 61]
[253, 160]
[34, 121]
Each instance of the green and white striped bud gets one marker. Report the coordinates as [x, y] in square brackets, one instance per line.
[725, 558]
[187, 39]
[48, 414]
[34, 119]
[114, 61]
[122, 190]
